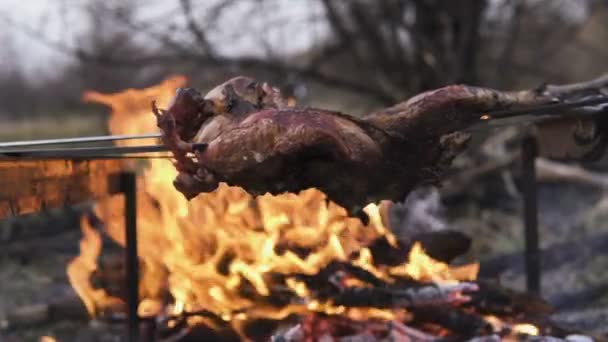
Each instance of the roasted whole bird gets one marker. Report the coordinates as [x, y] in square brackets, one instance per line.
[254, 140]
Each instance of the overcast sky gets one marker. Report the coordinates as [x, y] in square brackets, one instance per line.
[63, 20]
[34, 56]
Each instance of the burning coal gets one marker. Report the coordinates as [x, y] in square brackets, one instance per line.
[239, 259]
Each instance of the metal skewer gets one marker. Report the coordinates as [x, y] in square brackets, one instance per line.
[558, 108]
[84, 151]
[88, 152]
[539, 114]
[488, 121]
[78, 140]
[109, 156]
[488, 125]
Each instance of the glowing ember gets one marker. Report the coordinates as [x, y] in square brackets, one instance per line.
[47, 339]
[521, 329]
[221, 251]
[525, 328]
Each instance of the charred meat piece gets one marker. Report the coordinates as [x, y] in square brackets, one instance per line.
[253, 140]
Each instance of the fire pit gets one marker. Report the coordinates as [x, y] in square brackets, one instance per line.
[245, 267]
[295, 267]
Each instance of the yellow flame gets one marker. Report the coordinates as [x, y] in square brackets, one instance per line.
[422, 267]
[81, 268]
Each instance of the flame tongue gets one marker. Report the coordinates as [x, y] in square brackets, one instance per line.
[230, 254]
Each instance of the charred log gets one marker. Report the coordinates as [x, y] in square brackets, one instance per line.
[328, 281]
[444, 245]
[421, 296]
[494, 299]
[466, 325]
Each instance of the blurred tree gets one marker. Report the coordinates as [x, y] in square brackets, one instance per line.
[11, 76]
[377, 52]
[104, 40]
[386, 50]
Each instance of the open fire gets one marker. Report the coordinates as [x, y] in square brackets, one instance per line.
[227, 260]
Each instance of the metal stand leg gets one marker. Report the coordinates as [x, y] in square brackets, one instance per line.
[529, 151]
[128, 187]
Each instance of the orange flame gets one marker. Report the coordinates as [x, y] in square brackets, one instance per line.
[81, 268]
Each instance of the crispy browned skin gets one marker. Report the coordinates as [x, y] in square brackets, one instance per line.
[255, 141]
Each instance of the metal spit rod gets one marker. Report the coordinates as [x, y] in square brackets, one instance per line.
[88, 152]
[488, 121]
[82, 151]
[78, 140]
[559, 108]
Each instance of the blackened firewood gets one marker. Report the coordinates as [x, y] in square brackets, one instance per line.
[443, 245]
[259, 329]
[202, 332]
[467, 325]
[363, 275]
[421, 296]
[494, 299]
[325, 288]
[279, 295]
[386, 254]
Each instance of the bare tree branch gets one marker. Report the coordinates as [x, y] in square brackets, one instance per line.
[506, 58]
[469, 47]
[384, 51]
[194, 28]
